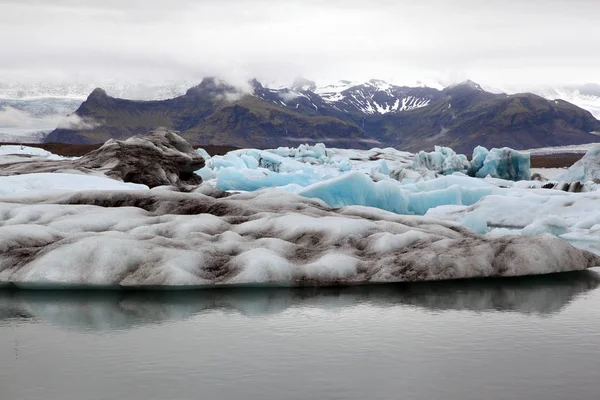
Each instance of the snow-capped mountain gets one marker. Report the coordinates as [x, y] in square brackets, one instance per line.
[377, 97]
[372, 97]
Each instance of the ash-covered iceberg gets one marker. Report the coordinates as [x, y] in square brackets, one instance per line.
[160, 238]
[158, 158]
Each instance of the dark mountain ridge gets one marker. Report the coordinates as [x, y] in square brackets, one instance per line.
[362, 116]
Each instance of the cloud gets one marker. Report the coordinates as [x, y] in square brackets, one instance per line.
[16, 120]
[230, 96]
[78, 123]
[495, 42]
[288, 96]
[12, 118]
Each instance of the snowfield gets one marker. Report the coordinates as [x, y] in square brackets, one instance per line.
[289, 216]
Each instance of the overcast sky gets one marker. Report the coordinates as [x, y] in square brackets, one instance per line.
[496, 43]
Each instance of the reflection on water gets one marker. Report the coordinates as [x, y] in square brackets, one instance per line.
[118, 310]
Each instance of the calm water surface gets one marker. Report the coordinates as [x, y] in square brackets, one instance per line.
[535, 338]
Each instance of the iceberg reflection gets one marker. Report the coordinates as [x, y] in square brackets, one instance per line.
[119, 310]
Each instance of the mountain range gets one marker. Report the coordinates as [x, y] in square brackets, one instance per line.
[374, 113]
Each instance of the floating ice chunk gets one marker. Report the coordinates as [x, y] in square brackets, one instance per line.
[316, 154]
[442, 160]
[383, 168]
[433, 161]
[505, 163]
[480, 153]
[421, 202]
[358, 189]
[345, 165]
[254, 179]
[586, 169]
[264, 237]
[475, 223]
[444, 182]
[203, 153]
[551, 224]
[206, 173]
[282, 151]
[251, 162]
[571, 216]
[226, 161]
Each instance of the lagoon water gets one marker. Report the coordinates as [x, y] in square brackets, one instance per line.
[531, 338]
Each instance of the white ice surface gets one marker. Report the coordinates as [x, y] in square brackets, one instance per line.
[44, 182]
[574, 217]
[29, 151]
[585, 170]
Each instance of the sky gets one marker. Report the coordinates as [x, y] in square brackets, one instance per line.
[499, 44]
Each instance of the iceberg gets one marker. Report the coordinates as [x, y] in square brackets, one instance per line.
[203, 153]
[442, 160]
[584, 170]
[158, 158]
[359, 189]
[165, 239]
[255, 179]
[504, 163]
[307, 216]
[480, 153]
[574, 217]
